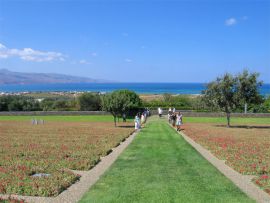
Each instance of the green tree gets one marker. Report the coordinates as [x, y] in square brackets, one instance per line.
[182, 101]
[248, 88]
[15, 105]
[120, 102]
[89, 102]
[47, 104]
[4, 101]
[231, 92]
[222, 93]
[30, 105]
[267, 104]
[60, 105]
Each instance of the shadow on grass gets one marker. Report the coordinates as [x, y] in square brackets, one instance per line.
[124, 126]
[246, 126]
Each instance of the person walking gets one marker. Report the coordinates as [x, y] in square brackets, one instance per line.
[179, 122]
[169, 117]
[170, 111]
[143, 118]
[124, 117]
[160, 112]
[137, 122]
[173, 119]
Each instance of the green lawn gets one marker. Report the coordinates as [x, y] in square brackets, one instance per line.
[223, 120]
[109, 118]
[159, 166]
[97, 118]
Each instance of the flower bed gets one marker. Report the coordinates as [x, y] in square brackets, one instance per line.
[245, 149]
[52, 149]
[11, 200]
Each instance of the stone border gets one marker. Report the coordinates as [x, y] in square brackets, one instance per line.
[88, 178]
[243, 182]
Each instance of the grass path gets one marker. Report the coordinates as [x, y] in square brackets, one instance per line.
[159, 166]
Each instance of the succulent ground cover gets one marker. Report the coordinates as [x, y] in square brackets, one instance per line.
[246, 148]
[53, 148]
[11, 200]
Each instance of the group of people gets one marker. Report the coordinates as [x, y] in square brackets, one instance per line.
[175, 119]
[141, 118]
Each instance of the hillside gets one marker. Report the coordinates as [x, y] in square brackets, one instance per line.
[10, 77]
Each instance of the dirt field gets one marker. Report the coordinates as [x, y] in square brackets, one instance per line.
[245, 148]
[52, 148]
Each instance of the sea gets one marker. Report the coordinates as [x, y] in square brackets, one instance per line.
[140, 88]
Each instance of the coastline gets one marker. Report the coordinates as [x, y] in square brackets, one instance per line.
[194, 89]
[42, 95]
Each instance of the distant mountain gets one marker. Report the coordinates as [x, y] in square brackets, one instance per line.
[10, 77]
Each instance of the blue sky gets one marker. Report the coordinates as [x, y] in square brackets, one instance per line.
[136, 41]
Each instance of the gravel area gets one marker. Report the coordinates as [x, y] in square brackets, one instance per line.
[241, 181]
[88, 178]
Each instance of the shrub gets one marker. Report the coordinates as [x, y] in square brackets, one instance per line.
[89, 102]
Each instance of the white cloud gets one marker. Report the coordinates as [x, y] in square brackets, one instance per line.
[2, 51]
[2, 46]
[83, 61]
[128, 60]
[28, 54]
[230, 21]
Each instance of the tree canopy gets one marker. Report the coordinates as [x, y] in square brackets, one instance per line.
[89, 102]
[248, 88]
[120, 102]
[229, 92]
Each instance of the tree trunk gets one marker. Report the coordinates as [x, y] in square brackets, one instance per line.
[228, 119]
[114, 117]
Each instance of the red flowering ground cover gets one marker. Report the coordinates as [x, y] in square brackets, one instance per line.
[52, 148]
[245, 148]
[11, 200]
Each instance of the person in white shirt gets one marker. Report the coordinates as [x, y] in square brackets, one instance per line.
[170, 110]
[137, 122]
[142, 118]
[179, 121]
[160, 112]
